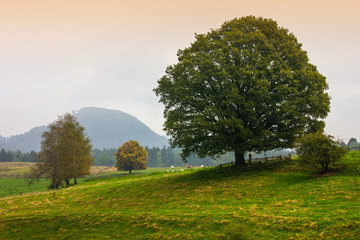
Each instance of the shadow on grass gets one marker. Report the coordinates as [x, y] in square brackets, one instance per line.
[91, 178]
[229, 171]
[290, 179]
[81, 226]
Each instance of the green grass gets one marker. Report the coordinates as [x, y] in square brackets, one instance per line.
[280, 202]
[16, 186]
[12, 180]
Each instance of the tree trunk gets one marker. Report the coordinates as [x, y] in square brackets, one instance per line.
[67, 181]
[130, 171]
[54, 183]
[239, 159]
[75, 180]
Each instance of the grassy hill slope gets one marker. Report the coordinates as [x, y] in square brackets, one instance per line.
[277, 203]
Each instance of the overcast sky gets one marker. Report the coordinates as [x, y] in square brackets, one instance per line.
[61, 55]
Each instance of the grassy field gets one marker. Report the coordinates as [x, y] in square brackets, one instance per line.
[279, 202]
[14, 169]
[12, 180]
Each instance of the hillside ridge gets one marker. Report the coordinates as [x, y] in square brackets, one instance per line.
[106, 128]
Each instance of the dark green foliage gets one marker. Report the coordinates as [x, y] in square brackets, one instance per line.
[247, 86]
[153, 160]
[28, 157]
[167, 156]
[195, 160]
[318, 151]
[104, 157]
[351, 141]
[17, 156]
[353, 144]
[5, 156]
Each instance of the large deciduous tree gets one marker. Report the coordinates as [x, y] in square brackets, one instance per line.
[247, 86]
[131, 156]
[65, 152]
[75, 148]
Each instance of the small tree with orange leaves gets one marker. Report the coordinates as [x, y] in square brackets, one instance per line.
[131, 156]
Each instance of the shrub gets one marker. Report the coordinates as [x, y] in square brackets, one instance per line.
[318, 151]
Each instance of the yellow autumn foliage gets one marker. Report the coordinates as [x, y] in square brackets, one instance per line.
[131, 156]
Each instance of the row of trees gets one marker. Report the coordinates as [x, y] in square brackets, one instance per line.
[65, 153]
[164, 157]
[161, 157]
[316, 151]
[157, 157]
[17, 156]
[104, 157]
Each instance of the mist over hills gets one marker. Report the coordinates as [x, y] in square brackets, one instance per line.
[106, 128]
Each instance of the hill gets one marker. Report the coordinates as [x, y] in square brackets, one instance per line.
[106, 128]
[24, 142]
[279, 202]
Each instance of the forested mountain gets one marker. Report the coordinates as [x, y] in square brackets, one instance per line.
[106, 128]
[27, 142]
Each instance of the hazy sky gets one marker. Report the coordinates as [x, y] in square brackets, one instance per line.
[61, 55]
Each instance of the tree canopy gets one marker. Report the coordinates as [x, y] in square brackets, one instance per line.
[318, 151]
[353, 144]
[65, 152]
[131, 156]
[247, 86]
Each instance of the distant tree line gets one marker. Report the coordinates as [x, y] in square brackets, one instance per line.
[17, 156]
[167, 157]
[104, 157]
[157, 157]
[353, 144]
[164, 157]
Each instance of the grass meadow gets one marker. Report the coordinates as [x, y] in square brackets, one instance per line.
[279, 201]
[12, 181]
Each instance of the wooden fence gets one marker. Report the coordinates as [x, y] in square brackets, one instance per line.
[260, 160]
[11, 175]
